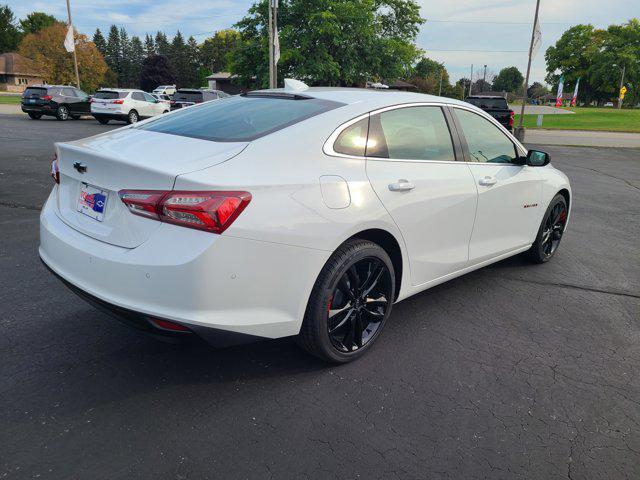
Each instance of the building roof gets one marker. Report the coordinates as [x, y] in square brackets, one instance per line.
[13, 64]
[220, 76]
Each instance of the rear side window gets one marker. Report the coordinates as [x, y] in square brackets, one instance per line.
[35, 92]
[239, 118]
[353, 139]
[489, 103]
[138, 96]
[109, 95]
[412, 133]
[187, 96]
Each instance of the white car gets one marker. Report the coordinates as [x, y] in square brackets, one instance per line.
[162, 98]
[125, 104]
[294, 212]
[165, 90]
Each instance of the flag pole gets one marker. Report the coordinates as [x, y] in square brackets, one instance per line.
[526, 80]
[75, 57]
[271, 69]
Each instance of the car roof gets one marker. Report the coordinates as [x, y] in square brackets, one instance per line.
[369, 96]
[486, 96]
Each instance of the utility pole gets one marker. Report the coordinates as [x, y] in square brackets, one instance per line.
[484, 76]
[75, 57]
[273, 28]
[624, 67]
[519, 133]
[440, 87]
[470, 80]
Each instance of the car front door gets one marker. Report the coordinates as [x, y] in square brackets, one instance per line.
[84, 104]
[140, 105]
[154, 106]
[411, 164]
[509, 193]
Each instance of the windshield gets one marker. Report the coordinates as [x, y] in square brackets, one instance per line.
[107, 95]
[489, 103]
[238, 119]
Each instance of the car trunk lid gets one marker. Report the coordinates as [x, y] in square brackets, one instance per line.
[101, 166]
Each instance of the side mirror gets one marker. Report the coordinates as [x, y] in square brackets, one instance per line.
[536, 158]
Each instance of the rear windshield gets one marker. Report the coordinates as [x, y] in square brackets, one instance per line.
[239, 118]
[488, 103]
[186, 96]
[35, 92]
[108, 95]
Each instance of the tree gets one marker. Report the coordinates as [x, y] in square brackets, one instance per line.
[178, 58]
[9, 33]
[36, 21]
[100, 42]
[149, 46]
[508, 80]
[124, 75]
[461, 88]
[572, 56]
[162, 44]
[137, 56]
[192, 52]
[46, 49]
[113, 52]
[331, 42]
[156, 70]
[481, 85]
[215, 51]
[425, 75]
[537, 90]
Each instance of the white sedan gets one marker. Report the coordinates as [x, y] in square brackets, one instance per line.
[302, 212]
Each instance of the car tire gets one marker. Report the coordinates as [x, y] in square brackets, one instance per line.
[102, 120]
[340, 306]
[550, 231]
[35, 116]
[132, 117]
[62, 113]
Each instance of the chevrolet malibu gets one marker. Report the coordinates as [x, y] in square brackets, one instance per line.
[303, 212]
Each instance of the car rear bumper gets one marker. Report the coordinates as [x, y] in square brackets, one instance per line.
[198, 279]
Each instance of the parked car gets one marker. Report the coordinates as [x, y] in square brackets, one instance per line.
[495, 106]
[165, 90]
[60, 101]
[608, 104]
[162, 98]
[126, 105]
[300, 212]
[185, 97]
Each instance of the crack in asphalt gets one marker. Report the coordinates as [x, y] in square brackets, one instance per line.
[608, 175]
[578, 287]
[19, 205]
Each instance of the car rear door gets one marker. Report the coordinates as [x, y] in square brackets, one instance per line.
[509, 193]
[411, 164]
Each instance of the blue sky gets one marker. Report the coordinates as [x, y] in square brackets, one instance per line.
[458, 33]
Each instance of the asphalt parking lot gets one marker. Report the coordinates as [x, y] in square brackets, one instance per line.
[513, 371]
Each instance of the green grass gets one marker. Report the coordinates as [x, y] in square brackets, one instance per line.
[9, 100]
[603, 119]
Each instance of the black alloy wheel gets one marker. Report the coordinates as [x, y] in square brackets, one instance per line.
[551, 231]
[350, 302]
[358, 304]
[62, 113]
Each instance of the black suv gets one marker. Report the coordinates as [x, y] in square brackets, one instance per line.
[60, 101]
[186, 97]
[495, 106]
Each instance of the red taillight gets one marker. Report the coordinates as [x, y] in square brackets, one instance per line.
[46, 98]
[120, 101]
[167, 325]
[511, 114]
[210, 211]
[55, 171]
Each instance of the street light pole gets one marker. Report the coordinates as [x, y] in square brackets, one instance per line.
[484, 76]
[75, 57]
[621, 84]
[526, 80]
[470, 80]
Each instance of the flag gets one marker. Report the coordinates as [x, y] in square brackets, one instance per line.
[574, 99]
[559, 94]
[276, 46]
[69, 42]
[537, 39]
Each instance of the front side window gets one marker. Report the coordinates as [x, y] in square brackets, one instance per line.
[239, 118]
[149, 98]
[68, 92]
[411, 133]
[487, 144]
